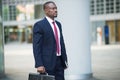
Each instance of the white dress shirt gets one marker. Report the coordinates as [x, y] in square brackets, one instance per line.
[51, 24]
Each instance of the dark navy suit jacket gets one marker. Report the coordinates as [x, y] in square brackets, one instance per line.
[44, 45]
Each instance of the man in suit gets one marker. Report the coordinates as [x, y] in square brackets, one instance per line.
[48, 44]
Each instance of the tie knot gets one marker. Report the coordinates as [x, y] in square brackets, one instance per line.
[53, 22]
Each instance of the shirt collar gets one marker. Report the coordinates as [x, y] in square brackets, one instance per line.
[49, 20]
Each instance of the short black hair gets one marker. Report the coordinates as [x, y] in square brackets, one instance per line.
[46, 3]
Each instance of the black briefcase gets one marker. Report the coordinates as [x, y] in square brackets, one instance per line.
[38, 76]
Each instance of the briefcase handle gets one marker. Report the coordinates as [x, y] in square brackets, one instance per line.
[43, 73]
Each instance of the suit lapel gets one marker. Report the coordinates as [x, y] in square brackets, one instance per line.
[49, 27]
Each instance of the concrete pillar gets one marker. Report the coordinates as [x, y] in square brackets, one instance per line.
[74, 16]
[1, 44]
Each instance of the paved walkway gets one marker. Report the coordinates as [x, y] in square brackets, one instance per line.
[106, 62]
[19, 62]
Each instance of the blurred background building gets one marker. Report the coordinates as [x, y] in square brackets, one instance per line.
[105, 21]
[20, 15]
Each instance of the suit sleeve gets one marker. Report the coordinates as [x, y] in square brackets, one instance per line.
[37, 45]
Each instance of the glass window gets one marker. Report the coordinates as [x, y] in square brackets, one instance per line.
[14, 2]
[104, 6]
[39, 13]
[21, 10]
[25, 12]
[117, 6]
[5, 11]
[92, 7]
[100, 6]
[109, 6]
[12, 12]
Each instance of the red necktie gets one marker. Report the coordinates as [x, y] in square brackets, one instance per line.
[56, 37]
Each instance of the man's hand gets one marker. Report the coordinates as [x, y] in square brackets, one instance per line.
[41, 69]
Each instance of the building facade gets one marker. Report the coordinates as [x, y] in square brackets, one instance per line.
[19, 17]
[105, 13]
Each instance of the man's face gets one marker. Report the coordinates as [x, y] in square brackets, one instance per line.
[51, 10]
